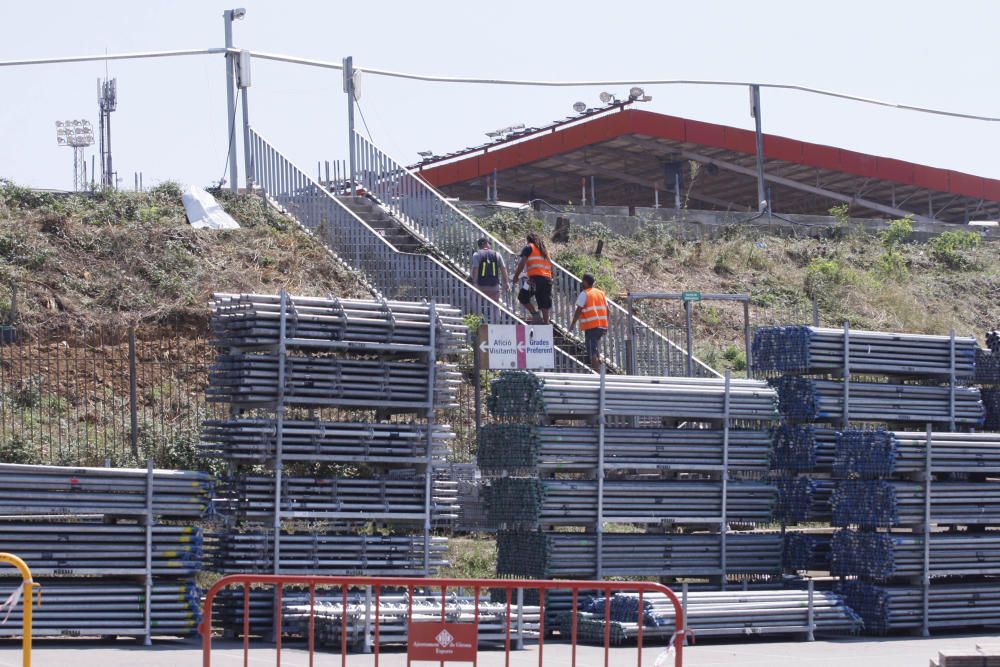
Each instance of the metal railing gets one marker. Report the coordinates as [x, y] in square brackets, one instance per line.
[449, 631]
[453, 234]
[387, 271]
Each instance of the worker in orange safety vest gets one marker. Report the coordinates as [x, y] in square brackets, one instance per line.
[535, 258]
[592, 313]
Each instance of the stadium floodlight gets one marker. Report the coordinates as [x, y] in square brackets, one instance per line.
[78, 134]
[239, 13]
[493, 134]
[425, 154]
[607, 98]
[579, 107]
[635, 92]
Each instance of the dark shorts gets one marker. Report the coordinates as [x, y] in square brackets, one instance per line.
[524, 296]
[593, 339]
[542, 287]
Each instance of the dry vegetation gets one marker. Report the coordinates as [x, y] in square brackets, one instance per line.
[114, 257]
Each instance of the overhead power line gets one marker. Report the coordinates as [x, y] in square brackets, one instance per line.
[431, 78]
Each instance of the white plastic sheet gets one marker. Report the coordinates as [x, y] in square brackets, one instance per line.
[204, 212]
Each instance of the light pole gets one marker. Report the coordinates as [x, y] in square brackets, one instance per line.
[349, 89]
[762, 202]
[228, 17]
[78, 134]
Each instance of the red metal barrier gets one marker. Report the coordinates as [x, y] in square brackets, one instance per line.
[456, 640]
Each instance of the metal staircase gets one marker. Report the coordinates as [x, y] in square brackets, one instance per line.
[388, 269]
[447, 234]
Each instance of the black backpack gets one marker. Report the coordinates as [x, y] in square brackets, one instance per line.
[489, 270]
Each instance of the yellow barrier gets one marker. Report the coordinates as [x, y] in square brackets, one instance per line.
[29, 597]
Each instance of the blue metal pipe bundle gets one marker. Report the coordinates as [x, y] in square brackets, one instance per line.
[807, 551]
[803, 499]
[991, 400]
[807, 400]
[886, 609]
[803, 448]
[882, 555]
[987, 367]
[875, 503]
[818, 350]
[877, 454]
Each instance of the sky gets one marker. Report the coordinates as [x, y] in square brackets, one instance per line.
[171, 117]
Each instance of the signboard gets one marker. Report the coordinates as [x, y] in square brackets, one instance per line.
[437, 641]
[506, 346]
[690, 296]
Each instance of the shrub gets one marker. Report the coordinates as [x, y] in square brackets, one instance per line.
[897, 232]
[951, 248]
[823, 274]
[841, 214]
[600, 267]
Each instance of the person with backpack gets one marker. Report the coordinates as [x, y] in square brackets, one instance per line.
[535, 259]
[592, 313]
[489, 272]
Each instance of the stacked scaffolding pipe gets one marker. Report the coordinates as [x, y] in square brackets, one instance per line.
[529, 502]
[807, 551]
[89, 607]
[517, 394]
[993, 341]
[255, 441]
[520, 447]
[800, 448]
[991, 401]
[987, 367]
[892, 503]
[818, 350]
[394, 497]
[890, 608]
[91, 548]
[331, 553]
[243, 321]
[803, 499]
[808, 400]
[881, 555]
[329, 381]
[574, 555]
[55, 490]
[882, 453]
[724, 614]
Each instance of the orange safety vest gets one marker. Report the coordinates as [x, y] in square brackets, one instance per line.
[538, 264]
[595, 313]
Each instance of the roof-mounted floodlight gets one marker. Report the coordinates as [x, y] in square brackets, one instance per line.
[579, 107]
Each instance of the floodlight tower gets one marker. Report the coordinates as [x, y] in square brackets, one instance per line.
[78, 134]
[107, 100]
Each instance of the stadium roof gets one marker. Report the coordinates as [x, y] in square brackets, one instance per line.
[631, 153]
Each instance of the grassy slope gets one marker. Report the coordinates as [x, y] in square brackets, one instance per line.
[78, 260]
[874, 282]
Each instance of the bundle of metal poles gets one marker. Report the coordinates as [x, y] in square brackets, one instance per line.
[883, 555]
[45, 490]
[93, 548]
[95, 607]
[987, 367]
[889, 608]
[803, 499]
[723, 614]
[875, 503]
[319, 381]
[396, 496]
[254, 320]
[333, 553]
[513, 502]
[800, 448]
[991, 401]
[558, 555]
[255, 441]
[807, 551]
[522, 447]
[819, 350]
[882, 453]
[993, 341]
[328, 609]
[808, 400]
[515, 394]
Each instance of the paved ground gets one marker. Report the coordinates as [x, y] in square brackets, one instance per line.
[895, 652]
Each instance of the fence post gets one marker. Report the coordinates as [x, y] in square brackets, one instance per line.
[133, 392]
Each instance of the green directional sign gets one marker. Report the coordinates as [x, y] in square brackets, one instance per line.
[690, 296]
